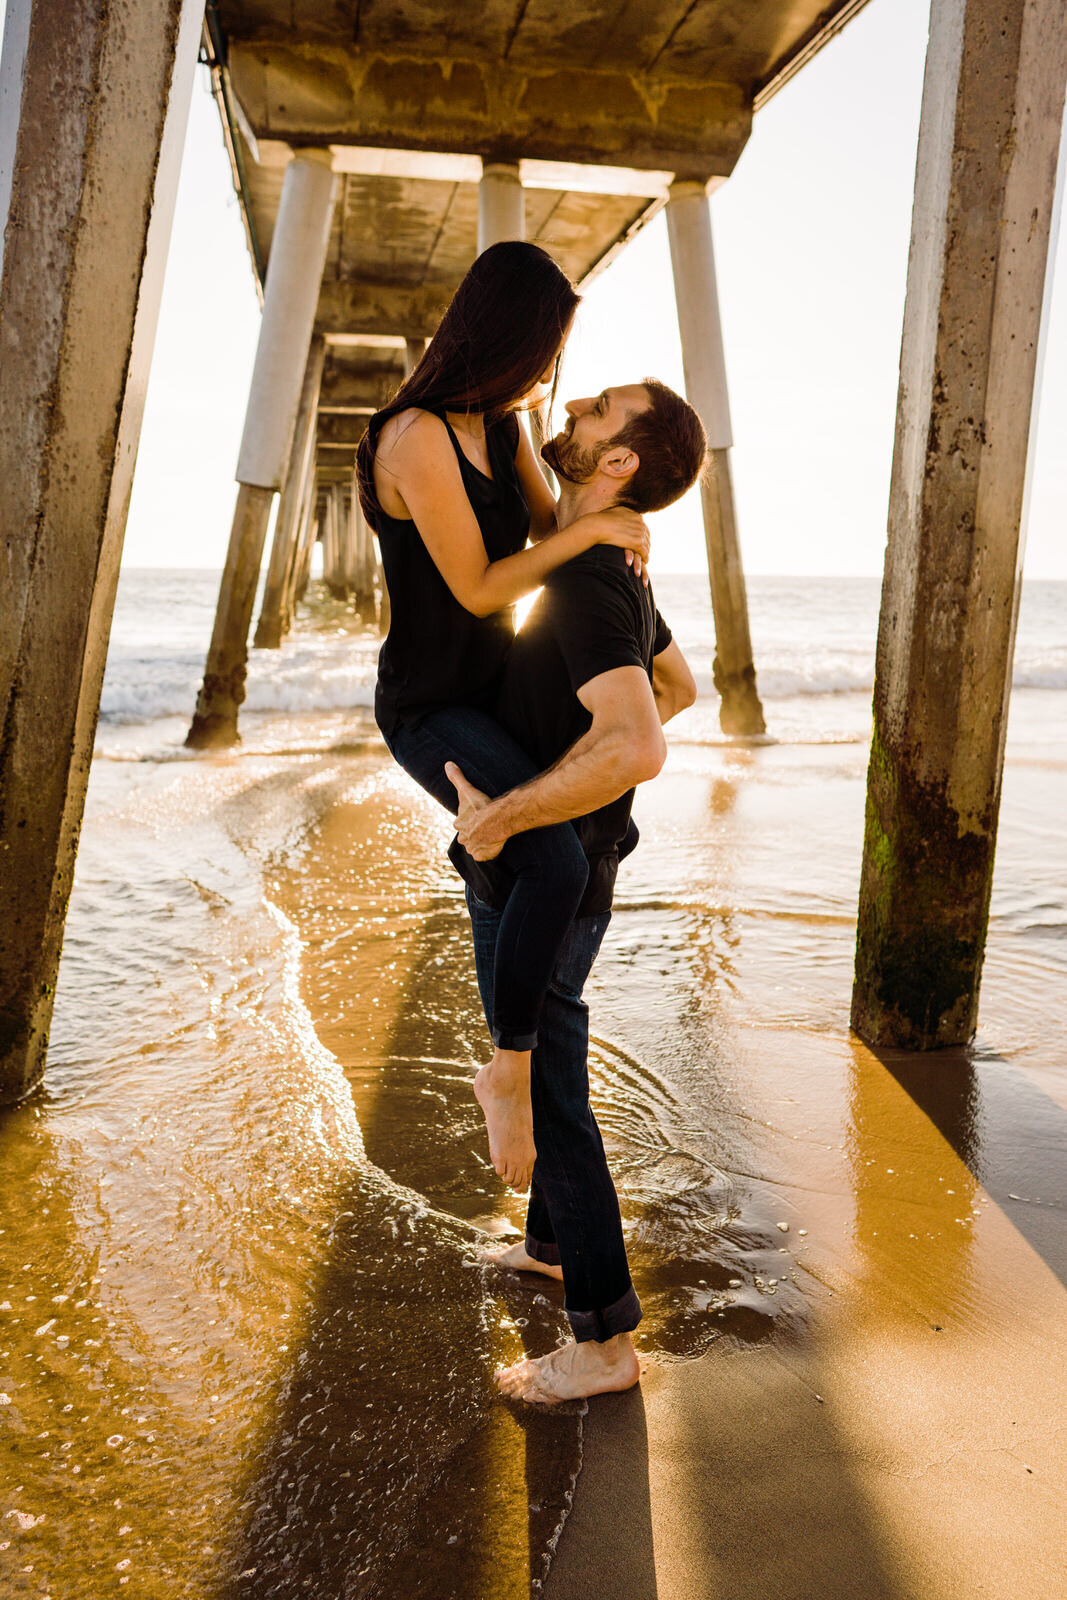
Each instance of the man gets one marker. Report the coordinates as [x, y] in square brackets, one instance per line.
[591, 678]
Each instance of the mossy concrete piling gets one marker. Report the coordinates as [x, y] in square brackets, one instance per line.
[94, 102]
[985, 192]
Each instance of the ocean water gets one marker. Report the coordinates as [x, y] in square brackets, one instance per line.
[245, 1345]
[813, 638]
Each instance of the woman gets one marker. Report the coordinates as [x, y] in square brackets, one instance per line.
[449, 482]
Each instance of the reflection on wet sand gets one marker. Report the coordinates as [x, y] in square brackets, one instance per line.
[391, 1466]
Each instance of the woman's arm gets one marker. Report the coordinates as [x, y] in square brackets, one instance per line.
[539, 497]
[673, 684]
[424, 472]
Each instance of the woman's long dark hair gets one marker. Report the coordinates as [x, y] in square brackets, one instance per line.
[502, 330]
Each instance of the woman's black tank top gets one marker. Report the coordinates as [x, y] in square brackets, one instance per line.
[436, 653]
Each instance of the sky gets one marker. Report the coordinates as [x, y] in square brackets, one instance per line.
[811, 240]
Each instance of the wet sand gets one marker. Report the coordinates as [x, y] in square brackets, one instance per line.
[239, 1291]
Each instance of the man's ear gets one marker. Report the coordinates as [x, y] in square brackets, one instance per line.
[619, 463]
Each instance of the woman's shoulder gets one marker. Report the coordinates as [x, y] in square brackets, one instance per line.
[412, 428]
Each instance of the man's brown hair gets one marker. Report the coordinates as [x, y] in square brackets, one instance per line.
[669, 440]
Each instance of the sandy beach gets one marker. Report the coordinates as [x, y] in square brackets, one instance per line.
[247, 1349]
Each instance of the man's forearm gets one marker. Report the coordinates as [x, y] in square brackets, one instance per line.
[593, 772]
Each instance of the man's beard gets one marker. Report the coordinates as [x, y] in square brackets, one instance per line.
[567, 459]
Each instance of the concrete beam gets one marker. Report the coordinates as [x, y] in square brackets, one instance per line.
[303, 91]
[344, 429]
[348, 306]
[347, 388]
[984, 199]
[334, 463]
[93, 108]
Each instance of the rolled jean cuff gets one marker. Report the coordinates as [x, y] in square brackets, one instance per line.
[547, 1254]
[622, 1316]
[504, 1039]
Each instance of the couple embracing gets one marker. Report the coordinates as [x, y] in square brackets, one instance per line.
[534, 741]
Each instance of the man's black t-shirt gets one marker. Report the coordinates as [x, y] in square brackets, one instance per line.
[592, 616]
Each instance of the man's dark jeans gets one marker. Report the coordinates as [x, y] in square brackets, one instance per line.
[573, 1218]
[539, 877]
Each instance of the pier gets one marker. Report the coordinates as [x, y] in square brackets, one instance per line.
[248, 1344]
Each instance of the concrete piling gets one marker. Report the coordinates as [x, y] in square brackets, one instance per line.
[414, 350]
[334, 538]
[298, 255]
[273, 620]
[94, 102]
[984, 198]
[363, 570]
[501, 207]
[305, 550]
[696, 295]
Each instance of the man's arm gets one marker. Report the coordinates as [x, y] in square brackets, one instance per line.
[673, 685]
[624, 747]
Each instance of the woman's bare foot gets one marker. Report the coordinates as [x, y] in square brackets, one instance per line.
[502, 1089]
[573, 1372]
[515, 1256]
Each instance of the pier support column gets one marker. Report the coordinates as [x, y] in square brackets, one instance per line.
[501, 207]
[414, 350]
[984, 197]
[273, 622]
[94, 102]
[297, 258]
[693, 263]
[333, 544]
[364, 561]
[308, 539]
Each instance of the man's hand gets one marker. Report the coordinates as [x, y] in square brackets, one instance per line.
[477, 828]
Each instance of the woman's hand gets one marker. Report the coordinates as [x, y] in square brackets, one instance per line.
[627, 529]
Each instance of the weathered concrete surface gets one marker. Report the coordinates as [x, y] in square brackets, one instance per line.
[93, 108]
[273, 622]
[725, 41]
[214, 724]
[483, 105]
[984, 197]
[696, 296]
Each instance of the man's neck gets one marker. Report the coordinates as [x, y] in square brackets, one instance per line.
[579, 499]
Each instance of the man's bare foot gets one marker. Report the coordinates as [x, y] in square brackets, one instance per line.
[502, 1089]
[515, 1256]
[573, 1372]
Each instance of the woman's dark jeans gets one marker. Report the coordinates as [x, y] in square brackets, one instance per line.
[573, 1218]
[536, 882]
